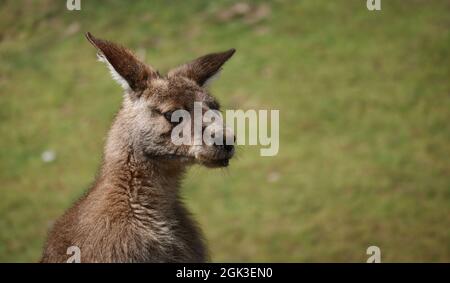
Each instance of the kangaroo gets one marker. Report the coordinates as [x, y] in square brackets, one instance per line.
[133, 212]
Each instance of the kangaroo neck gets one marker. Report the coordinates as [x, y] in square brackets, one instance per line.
[144, 179]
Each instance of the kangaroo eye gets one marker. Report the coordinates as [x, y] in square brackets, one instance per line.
[168, 116]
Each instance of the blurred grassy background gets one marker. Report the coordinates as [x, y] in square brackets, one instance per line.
[364, 103]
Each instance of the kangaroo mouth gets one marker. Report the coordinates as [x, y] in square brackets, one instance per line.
[210, 163]
[216, 163]
[214, 159]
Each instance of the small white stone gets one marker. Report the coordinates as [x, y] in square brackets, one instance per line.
[48, 156]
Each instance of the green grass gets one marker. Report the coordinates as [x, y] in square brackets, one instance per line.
[364, 103]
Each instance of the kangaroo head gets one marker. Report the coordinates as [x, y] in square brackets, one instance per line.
[151, 102]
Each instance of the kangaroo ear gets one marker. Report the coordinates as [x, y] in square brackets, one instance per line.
[204, 68]
[124, 66]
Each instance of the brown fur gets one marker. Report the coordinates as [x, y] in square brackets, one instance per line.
[133, 212]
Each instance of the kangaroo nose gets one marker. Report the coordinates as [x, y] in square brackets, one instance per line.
[228, 147]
